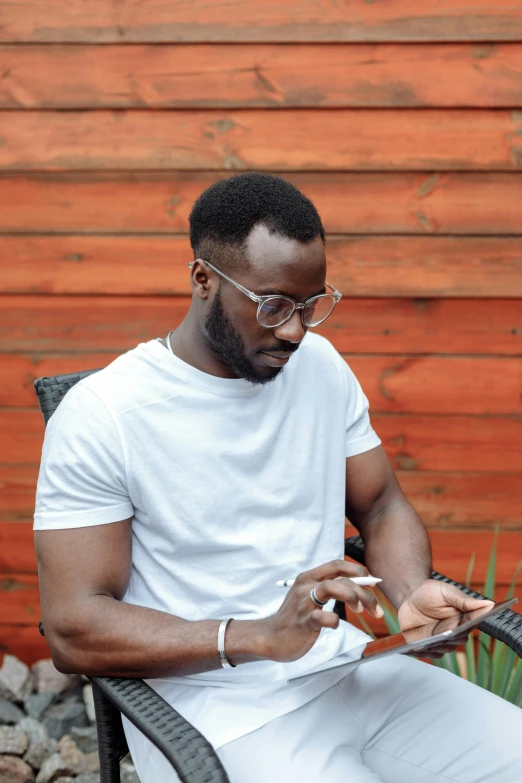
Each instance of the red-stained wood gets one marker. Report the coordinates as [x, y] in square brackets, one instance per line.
[427, 384]
[24, 641]
[413, 442]
[114, 324]
[17, 494]
[397, 384]
[357, 265]
[285, 140]
[19, 599]
[454, 443]
[17, 555]
[261, 75]
[19, 373]
[476, 203]
[471, 500]
[110, 21]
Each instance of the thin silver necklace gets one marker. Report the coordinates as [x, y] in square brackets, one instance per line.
[167, 341]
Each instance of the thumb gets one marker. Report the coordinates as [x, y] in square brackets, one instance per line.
[464, 603]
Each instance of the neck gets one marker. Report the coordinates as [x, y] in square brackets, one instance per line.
[188, 344]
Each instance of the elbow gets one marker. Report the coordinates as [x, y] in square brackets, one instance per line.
[69, 645]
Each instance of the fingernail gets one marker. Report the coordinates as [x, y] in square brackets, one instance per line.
[360, 607]
[379, 611]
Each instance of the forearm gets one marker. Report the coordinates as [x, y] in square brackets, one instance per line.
[397, 549]
[108, 637]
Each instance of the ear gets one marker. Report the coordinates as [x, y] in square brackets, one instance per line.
[200, 281]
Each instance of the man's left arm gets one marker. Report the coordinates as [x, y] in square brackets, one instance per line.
[397, 547]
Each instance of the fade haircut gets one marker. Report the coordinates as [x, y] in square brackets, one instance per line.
[225, 214]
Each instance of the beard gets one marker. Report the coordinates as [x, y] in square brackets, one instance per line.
[227, 342]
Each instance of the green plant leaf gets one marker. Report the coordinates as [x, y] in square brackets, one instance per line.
[470, 658]
[514, 690]
[484, 663]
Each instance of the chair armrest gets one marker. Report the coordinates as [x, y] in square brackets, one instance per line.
[191, 755]
[506, 626]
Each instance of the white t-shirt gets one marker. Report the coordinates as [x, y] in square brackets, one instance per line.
[231, 487]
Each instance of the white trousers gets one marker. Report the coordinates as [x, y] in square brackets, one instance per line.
[392, 721]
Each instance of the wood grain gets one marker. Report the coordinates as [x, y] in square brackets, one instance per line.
[17, 555]
[349, 203]
[289, 139]
[90, 324]
[357, 265]
[443, 499]
[110, 21]
[17, 494]
[469, 500]
[451, 443]
[261, 75]
[413, 441]
[398, 384]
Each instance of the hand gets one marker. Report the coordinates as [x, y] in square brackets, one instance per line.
[432, 601]
[293, 630]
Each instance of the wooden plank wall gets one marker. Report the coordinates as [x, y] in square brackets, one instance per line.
[402, 121]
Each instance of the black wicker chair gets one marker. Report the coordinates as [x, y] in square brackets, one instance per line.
[190, 754]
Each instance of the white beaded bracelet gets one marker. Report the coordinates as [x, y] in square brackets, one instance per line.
[225, 663]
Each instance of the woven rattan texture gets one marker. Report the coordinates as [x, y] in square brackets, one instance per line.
[507, 626]
[51, 391]
[188, 751]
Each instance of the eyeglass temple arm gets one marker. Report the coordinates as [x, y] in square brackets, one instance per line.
[250, 295]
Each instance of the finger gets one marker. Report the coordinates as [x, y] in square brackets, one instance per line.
[320, 619]
[464, 603]
[357, 597]
[333, 569]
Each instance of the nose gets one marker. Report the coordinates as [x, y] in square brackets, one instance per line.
[292, 330]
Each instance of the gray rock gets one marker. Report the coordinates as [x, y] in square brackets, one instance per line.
[40, 751]
[54, 767]
[14, 770]
[15, 680]
[64, 780]
[48, 678]
[9, 713]
[78, 761]
[13, 740]
[36, 704]
[88, 777]
[59, 719]
[128, 772]
[34, 730]
[86, 739]
[88, 700]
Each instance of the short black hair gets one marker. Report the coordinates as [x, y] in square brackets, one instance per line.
[225, 214]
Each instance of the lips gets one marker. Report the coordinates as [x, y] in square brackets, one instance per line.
[275, 358]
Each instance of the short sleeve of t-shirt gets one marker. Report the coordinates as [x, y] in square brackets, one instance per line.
[360, 435]
[82, 473]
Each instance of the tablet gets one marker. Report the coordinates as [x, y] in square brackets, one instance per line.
[424, 637]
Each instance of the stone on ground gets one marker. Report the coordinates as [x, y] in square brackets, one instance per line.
[36, 704]
[15, 680]
[13, 740]
[53, 768]
[14, 770]
[10, 713]
[60, 719]
[48, 678]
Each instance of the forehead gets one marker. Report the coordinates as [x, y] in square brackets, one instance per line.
[277, 263]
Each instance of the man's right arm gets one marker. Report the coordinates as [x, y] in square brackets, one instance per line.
[84, 573]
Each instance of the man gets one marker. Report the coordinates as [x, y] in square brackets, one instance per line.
[182, 482]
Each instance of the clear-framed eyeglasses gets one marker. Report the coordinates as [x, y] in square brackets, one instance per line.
[275, 309]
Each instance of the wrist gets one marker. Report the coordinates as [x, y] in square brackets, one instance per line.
[246, 641]
[404, 592]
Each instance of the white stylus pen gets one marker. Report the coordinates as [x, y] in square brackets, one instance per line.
[364, 581]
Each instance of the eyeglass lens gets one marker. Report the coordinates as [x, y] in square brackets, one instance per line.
[278, 309]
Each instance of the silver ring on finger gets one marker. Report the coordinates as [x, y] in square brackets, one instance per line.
[317, 601]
